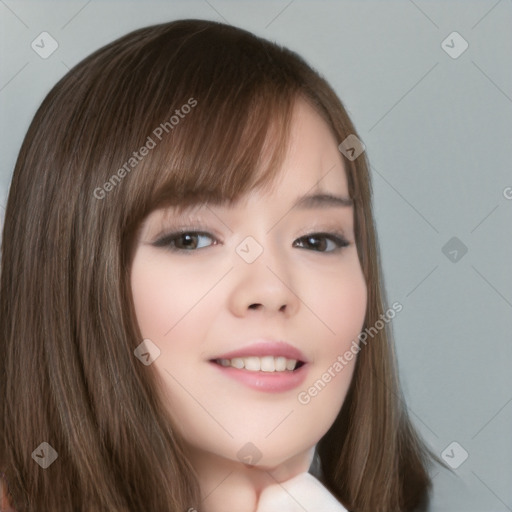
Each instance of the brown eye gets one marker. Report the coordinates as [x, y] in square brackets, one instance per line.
[185, 241]
[321, 242]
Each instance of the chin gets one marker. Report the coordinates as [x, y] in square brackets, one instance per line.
[294, 457]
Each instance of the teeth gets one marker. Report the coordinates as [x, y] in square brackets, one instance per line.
[290, 364]
[237, 362]
[268, 364]
[252, 364]
[264, 364]
[280, 363]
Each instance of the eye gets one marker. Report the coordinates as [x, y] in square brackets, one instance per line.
[321, 242]
[185, 241]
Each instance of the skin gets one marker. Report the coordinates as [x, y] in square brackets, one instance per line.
[196, 304]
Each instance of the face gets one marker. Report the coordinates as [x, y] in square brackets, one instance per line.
[252, 305]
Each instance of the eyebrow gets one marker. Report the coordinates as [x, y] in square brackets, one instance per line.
[322, 201]
[306, 202]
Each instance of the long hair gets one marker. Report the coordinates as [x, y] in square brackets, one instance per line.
[173, 114]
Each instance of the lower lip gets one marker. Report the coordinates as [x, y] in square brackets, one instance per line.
[273, 382]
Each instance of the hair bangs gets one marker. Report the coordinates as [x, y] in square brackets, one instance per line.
[217, 131]
[216, 160]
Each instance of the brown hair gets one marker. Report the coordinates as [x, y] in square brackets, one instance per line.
[206, 101]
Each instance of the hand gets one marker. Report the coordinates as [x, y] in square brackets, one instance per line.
[301, 493]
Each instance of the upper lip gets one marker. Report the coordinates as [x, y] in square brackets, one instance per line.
[262, 348]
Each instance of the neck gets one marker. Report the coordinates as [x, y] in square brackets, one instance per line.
[231, 485]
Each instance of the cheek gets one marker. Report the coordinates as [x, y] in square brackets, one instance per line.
[341, 301]
[163, 294]
[338, 301]
[171, 312]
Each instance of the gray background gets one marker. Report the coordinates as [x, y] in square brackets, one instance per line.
[437, 131]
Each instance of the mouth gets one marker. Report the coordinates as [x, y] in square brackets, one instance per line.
[268, 364]
[264, 366]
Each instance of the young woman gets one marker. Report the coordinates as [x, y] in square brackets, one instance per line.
[191, 308]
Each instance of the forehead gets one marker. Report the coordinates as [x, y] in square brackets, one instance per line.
[313, 162]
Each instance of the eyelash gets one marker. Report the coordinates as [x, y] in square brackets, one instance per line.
[167, 240]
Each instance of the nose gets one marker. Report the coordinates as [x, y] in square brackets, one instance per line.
[265, 286]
